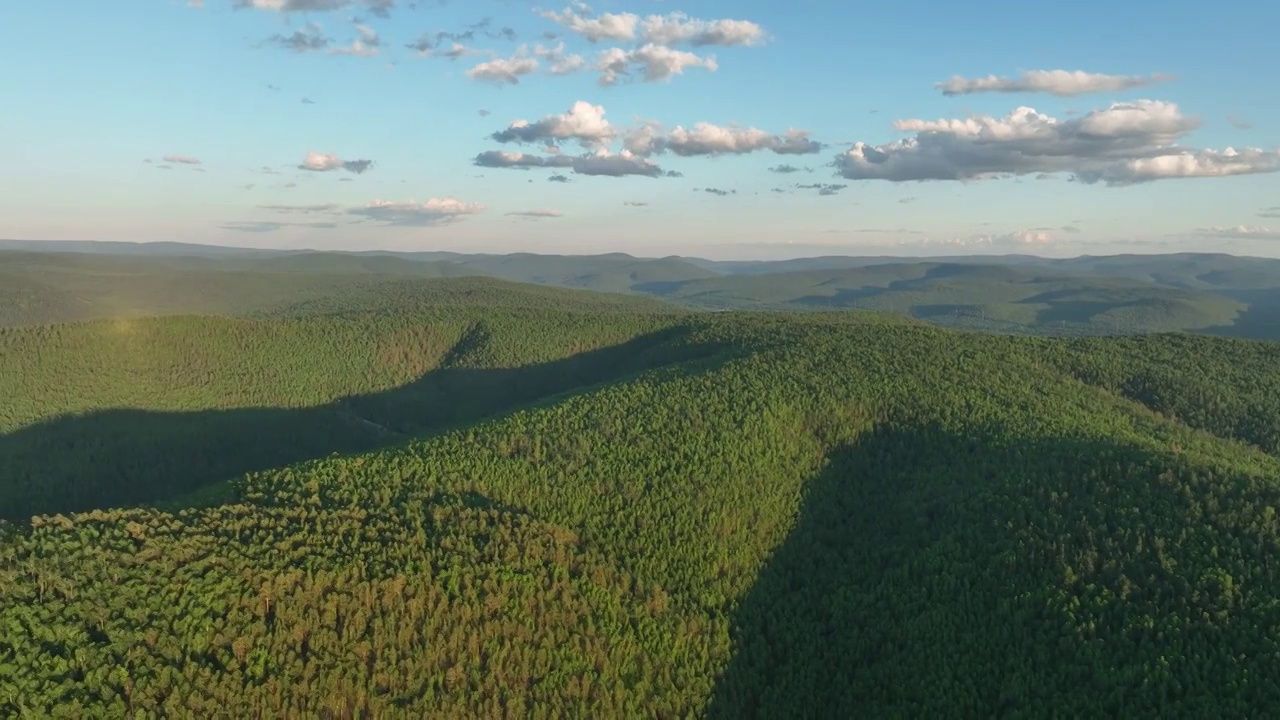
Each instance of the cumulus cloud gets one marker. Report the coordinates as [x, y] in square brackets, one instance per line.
[601, 162]
[1063, 83]
[717, 191]
[708, 139]
[433, 45]
[505, 71]
[607, 26]
[519, 160]
[655, 63]
[824, 188]
[307, 38]
[583, 122]
[325, 162]
[181, 159]
[1247, 232]
[676, 28]
[366, 45]
[435, 211]
[536, 214]
[788, 169]
[558, 179]
[1124, 144]
[670, 29]
[559, 62]
[381, 8]
[604, 162]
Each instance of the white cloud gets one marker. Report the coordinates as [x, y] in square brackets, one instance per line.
[583, 122]
[505, 70]
[708, 139]
[181, 159]
[655, 63]
[435, 211]
[536, 214]
[671, 29]
[601, 162]
[1123, 144]
[1063, 83]
[604, 162]
[1187, 164]
[307, 38]
[504, 159]
[365, 46]
[293, 5]
[1247, 232]
[560, 63]
[608, 26]
[324, 162]
[678, 28]
[380, 8]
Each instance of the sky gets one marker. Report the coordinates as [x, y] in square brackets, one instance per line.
[746, 129]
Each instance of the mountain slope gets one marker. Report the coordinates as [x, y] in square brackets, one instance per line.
[810, 515]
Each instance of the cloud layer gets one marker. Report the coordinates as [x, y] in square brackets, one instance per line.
[1124, 144]
[436, 211]
[1063, 83]
[325, 162]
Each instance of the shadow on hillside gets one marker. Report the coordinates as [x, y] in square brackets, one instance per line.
[1260, 321]
[919, 581]
[843, 298]
[123, 457]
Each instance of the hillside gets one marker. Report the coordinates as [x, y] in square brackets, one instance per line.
[44, 288]
[557, 513]
[1214, 294]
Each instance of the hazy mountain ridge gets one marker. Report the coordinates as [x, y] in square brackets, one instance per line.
[1012, 293]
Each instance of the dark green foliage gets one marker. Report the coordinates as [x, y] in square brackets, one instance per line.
[630, 514]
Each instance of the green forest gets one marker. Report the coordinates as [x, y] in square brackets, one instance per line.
[49, 282]
[447, 497]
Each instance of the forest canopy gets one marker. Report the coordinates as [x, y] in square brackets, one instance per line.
[491, 508]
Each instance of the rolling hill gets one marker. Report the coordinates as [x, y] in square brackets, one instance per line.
[1217, 294]
[578, 510]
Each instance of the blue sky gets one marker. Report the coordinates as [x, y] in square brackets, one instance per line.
[102, 92]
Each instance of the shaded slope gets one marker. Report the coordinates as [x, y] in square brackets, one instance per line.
[897, 500]
[937, 572]
[112, 452]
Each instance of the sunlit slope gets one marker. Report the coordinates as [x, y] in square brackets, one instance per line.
[813, 516]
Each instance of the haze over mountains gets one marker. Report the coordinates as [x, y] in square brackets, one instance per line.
[1213, 293]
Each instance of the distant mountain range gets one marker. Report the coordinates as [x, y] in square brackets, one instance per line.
[1216, 293]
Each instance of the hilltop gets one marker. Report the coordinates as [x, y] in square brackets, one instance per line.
[578, 510]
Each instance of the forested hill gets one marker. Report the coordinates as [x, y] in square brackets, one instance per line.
[513, 512]
[1208, 293]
